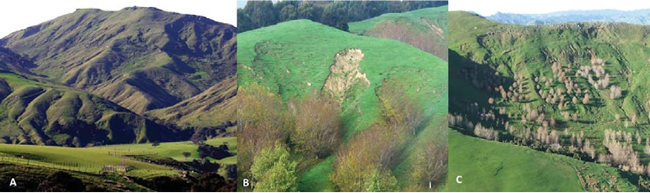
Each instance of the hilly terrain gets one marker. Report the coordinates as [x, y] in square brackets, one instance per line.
[355, 94]
[34, 111]
[425, 29]
[148, 168]
[140, 58]
[639, 17]
[574, 89]
[157, 87]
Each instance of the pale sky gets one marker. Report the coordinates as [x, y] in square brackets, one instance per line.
[20, 14]
[490, 7]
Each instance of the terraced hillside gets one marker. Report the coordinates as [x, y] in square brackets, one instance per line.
[425, 29]
[575, 89]
[301, 67]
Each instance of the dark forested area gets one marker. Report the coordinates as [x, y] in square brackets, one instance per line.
[257, 14]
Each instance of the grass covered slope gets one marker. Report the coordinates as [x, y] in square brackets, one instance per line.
[214, 106]
[574, 89]
[496, 167]
[40, 113]
[50, 156]
[147, 164]
[425, 29]
[175, 150]
[296, 59]
[140, 58]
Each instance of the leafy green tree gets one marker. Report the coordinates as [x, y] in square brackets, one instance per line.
[380, 181]
[273, 171]
[306, 10]
[288, 12]
[262, 120]
[336, 15]
[244, 22]
[261, 13]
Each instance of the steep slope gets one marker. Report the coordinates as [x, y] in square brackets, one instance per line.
[297, 58]
[285, 59]
[214, 106]
[574, 89]
[139, 58]
[33, 111]
[12, 62]
[425, 29]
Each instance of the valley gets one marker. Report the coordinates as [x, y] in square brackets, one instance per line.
[138, 99]
[570, 89]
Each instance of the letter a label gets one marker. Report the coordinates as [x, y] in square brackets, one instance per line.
[13, 183]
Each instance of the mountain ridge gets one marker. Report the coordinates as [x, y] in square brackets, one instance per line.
[99, 51]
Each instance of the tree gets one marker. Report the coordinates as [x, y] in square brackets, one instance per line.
[615, 92]
[374, 148]
[244, 22]
[288, 12]
[401, 110]
[155, 143]
[274, 171]
[380, 181]
[317, 125]
[198, 138]
[261, 13]
[186, 155]
[262, 120]
[306, 10]
[336, 15]
[431, 163]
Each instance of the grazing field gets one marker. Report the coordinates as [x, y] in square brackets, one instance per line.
[77, 159]
[175, 149]
[573, 90]
[93, 159]
[296, 60]
[425, 29]
[496, 167]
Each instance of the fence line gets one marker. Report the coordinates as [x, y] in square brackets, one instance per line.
[59, 165]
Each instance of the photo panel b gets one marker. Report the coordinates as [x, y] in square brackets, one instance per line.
[342, 96]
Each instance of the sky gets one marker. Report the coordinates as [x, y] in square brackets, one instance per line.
[20, 14]
[490, 7]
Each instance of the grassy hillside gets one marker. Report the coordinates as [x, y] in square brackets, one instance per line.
[425, 29]
[213, 106]
[140, 58]
[92, 78]
[33, 112]
[87, 163]
[504, 167]
[45, 156]
[573, 89]
[175, 150]
[297, 58]
[305, 67]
